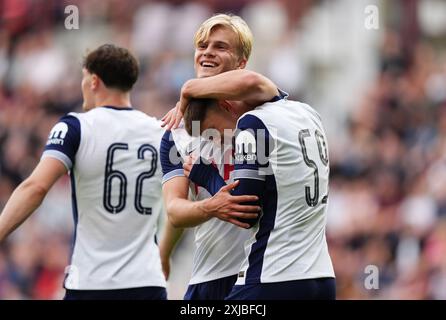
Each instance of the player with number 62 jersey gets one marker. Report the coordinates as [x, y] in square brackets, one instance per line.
[116, 196]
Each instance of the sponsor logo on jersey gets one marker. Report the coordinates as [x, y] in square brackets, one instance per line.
[57, 134]
[245, 147]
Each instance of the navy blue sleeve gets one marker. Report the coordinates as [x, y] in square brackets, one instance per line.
[206, 175]
[63, 141]
[253, 146]
[282, 95]
[171, 162]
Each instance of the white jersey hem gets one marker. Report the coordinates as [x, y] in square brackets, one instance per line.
[241, 281]
[118, 286]
[196, 280]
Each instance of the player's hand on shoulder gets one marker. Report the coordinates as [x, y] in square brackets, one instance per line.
[173, 118]
[169, 118]
[229, 208]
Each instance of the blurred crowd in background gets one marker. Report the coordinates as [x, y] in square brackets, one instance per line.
[381, 93]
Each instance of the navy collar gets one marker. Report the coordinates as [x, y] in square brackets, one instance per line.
[117, 108]
[282, 95]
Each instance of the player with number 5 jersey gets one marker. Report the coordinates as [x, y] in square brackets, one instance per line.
[288, 243]
[281, 156]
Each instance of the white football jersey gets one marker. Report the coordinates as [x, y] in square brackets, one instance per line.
[288, 242]
[113, 158]
[218, 245]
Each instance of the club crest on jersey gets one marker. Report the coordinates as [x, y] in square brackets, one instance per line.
[57, 134]
[245, 147]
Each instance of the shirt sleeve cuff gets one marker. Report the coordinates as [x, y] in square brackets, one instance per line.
[173, 174]
[59, 156]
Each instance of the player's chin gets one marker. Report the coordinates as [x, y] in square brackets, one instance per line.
[207, 72]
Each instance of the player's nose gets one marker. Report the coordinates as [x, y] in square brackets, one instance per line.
[209, 52]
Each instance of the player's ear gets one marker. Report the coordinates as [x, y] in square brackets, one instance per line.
[94, 84]
[226, 105]
[242, 63]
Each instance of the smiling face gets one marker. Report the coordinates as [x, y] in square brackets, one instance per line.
[218, 53]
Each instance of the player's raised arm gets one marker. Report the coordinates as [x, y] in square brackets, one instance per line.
[236, 85]
[30, 194]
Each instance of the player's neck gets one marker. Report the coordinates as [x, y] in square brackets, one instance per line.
[114, 99]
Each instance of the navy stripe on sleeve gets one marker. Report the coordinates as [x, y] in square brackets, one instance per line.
[63, 141]
[253, 146]
[282, 95]
[253, 149]
[171, 161]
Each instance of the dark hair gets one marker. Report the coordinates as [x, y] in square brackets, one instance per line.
[196, 111]
[116, 66]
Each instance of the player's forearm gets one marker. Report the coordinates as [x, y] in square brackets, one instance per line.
[184, 213]
[232, 85]
[24, 200]
[169, 239]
